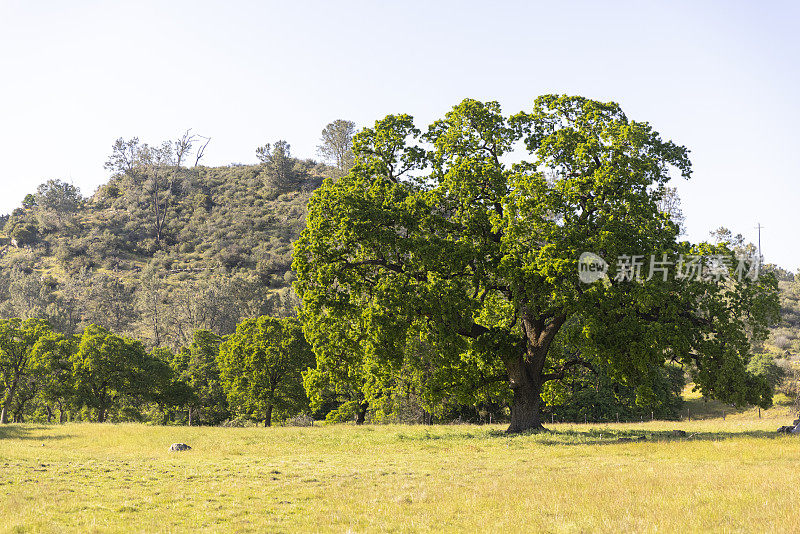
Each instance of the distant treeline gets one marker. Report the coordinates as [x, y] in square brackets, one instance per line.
[101, 376]
[262, 372]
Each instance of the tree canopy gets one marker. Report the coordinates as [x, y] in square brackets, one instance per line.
[18, 340]
[336, 145]
[260, 366]
[468, 237]
[107, 368]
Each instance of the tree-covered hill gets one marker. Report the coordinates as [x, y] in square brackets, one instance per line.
[785, 336]
[161, 249]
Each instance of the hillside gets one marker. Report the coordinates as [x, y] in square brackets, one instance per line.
[223, 253]
[785, 337]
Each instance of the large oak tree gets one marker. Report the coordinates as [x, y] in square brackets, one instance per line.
[469, 237]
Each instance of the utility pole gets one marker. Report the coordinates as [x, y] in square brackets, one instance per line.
[759, 227]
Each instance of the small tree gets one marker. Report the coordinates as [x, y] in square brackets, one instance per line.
[167, 389]
[763, 364]
[17, 340]
[337, 145]
[197, 366]
[153, 173]
[278, 160]
[107, 368]
[52, 370]
[261, 365]
[56, 203]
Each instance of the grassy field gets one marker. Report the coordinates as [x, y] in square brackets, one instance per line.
[727, 476]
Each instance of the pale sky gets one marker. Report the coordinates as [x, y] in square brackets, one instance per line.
[718, 77]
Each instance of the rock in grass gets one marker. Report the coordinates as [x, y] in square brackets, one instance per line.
[679, 433]
[178, 447]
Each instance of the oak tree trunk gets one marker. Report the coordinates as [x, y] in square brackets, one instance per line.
[268, 418]
[526, 405]
[526, 370]
[361, 415]
[10, 397]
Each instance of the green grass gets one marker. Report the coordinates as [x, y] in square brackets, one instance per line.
[727, 476]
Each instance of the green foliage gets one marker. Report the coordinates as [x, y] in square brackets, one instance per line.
[197, 366]
[785, 336]
[434, 236]
[29, 202]
[109, 369]
[56, 203]
[53, 355]
[764, 365]
[336, 145]
[24, 233]
[594, 396]
[260, 367]
[17, 358]
[278, 163]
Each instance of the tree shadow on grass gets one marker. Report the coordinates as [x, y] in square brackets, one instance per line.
[427, 435]
[615, 437]
[32, 432]
[595, 436]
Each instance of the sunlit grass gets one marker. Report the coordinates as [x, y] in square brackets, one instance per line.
[732, 475]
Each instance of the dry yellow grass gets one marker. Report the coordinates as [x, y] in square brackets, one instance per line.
[726, 476]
